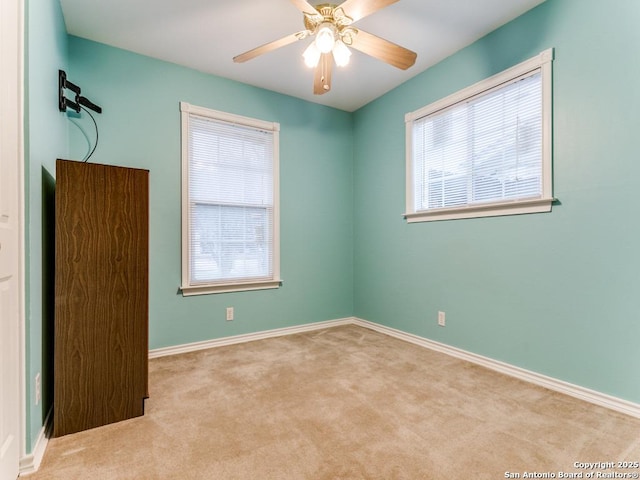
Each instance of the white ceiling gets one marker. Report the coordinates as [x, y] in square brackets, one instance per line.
[206, 34]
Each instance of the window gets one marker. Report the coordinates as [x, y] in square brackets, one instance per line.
[483, 151]
[230, 233]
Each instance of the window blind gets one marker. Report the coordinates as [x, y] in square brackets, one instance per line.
[487, 148]
[231, 202]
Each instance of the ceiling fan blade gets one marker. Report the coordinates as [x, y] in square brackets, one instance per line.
[305, 7]
[267, 47]
[384, 50]
[357, 9]
[322, 76]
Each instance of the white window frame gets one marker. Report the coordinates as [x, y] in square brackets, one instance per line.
[187, 287]
[541, 62]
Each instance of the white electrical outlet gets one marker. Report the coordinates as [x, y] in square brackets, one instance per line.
[38, 388]
[441, 319]
[229, 314]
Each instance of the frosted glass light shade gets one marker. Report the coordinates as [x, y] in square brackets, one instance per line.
[341, 53]
[311, 55]
[325, 38]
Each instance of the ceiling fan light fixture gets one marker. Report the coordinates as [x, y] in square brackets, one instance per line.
[330, 25]
[341, 54]
[326, 37]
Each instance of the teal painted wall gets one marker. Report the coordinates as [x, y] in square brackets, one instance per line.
[556, 293]
[46, 139]
[140, 127]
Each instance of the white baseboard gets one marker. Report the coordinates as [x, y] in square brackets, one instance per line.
[31, 462]
[248, 337]
[591, 396]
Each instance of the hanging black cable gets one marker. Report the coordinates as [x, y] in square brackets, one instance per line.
[96, 127]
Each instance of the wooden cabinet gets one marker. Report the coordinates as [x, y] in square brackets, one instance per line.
[101, 295]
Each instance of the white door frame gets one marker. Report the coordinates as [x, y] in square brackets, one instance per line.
[22, 347]
[12, 33]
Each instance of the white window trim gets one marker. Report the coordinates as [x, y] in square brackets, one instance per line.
[542, 61]
[202, 289]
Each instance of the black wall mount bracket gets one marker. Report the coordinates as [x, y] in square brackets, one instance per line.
[79, 100]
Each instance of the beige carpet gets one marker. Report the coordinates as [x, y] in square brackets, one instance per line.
[342, 403]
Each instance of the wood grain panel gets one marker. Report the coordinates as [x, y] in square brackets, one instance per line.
[101, 295]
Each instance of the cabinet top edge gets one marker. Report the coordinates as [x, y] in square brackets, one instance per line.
[62, 160]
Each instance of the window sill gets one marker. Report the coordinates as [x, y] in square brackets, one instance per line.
[516, 207]
[190, 290]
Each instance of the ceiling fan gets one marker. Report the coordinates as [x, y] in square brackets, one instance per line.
[332, 27]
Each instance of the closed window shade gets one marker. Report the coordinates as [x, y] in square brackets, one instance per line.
[486, 149]
[230, 201]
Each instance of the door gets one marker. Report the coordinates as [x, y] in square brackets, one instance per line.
[10, 234]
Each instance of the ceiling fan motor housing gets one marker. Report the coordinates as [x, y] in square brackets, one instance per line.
[329, 14]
